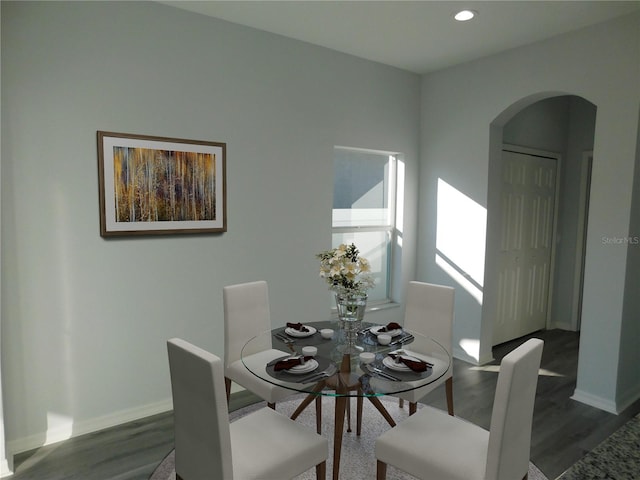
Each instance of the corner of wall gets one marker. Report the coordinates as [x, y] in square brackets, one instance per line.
[595, 401]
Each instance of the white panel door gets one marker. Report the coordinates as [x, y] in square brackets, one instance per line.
[528, 198]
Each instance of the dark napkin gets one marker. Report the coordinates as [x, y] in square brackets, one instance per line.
[390, 327]
[288, 363]
[298, 326]
[415, 365]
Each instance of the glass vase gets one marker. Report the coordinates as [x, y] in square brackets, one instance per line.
[351, 309]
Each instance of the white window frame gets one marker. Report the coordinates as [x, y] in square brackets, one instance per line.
[389, 228]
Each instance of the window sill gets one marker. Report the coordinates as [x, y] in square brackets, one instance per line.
[381, 306]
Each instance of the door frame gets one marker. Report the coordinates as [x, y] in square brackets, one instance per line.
[554, 229]
[581, 239]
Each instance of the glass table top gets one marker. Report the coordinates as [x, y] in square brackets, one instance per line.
[409, 362]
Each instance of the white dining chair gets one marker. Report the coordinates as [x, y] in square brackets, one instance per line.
[429, 311]
[246, 314]
[434, 445]
[261, 445]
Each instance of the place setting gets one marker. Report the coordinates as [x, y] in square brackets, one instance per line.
[301, 368]
[294, 332]
[298, 330]
[390, 334]
[398, 366]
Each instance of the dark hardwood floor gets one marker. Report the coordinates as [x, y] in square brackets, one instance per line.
[563, 430]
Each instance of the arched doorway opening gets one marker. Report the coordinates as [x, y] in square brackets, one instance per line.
[546, 126]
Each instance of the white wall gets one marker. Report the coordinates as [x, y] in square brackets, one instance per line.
[582, 119]
[543, 125]
[4, 463]
[629, 373]
[462, 106]
[84, 319]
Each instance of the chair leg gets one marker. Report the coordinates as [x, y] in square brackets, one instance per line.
[449, 390]
[381, 471]
[227, 387]
[272, 406]
[319, 414]
[401, 402]
[321, 471]
[413, 408]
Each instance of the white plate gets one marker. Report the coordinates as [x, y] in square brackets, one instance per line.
[309, 366]
[297, 333]
[398, 367]
[393, 333]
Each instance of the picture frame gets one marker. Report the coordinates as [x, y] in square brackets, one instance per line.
[158, 185]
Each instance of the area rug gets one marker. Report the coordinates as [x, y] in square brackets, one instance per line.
[357, 461]
[616, 458]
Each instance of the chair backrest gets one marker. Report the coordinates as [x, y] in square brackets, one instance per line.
[429, 310]
[246, 314]
[512, 415]
[201, 418]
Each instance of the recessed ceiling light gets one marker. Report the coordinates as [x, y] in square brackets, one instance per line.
[464, 15]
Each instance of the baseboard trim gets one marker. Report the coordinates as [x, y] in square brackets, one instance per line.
[461, 354]
[562, 326]
[595, 401]
[6, 470]
[238, 399]
[91, 425]
[241, 399]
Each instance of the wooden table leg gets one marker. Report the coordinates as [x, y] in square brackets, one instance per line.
[359, 412]
[309, 398]
[319, 414]
[341, 406]
[383, 411]
[342, 402]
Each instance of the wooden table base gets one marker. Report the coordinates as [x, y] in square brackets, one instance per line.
[342, 384]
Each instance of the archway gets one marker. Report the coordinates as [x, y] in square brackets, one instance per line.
[551, 122]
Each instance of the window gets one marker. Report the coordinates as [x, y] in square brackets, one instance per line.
[364, 190]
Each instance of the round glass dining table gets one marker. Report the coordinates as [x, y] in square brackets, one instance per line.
[410, 361]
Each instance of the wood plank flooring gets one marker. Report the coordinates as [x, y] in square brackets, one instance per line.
[563, 431]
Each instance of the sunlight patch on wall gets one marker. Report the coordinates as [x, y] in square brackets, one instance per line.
[471, 346]
[464, 282]
[461, 238]
[400, 172]
[59, 427]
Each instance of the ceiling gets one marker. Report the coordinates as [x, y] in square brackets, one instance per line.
[418, 36]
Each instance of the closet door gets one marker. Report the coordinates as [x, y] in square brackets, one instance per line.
[528, 208]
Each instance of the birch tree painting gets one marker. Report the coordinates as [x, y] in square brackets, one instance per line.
[162, 185]
[159, 185]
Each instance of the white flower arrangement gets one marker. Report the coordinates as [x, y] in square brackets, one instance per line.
[346, 272]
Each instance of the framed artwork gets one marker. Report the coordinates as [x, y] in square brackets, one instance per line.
[157, 185]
